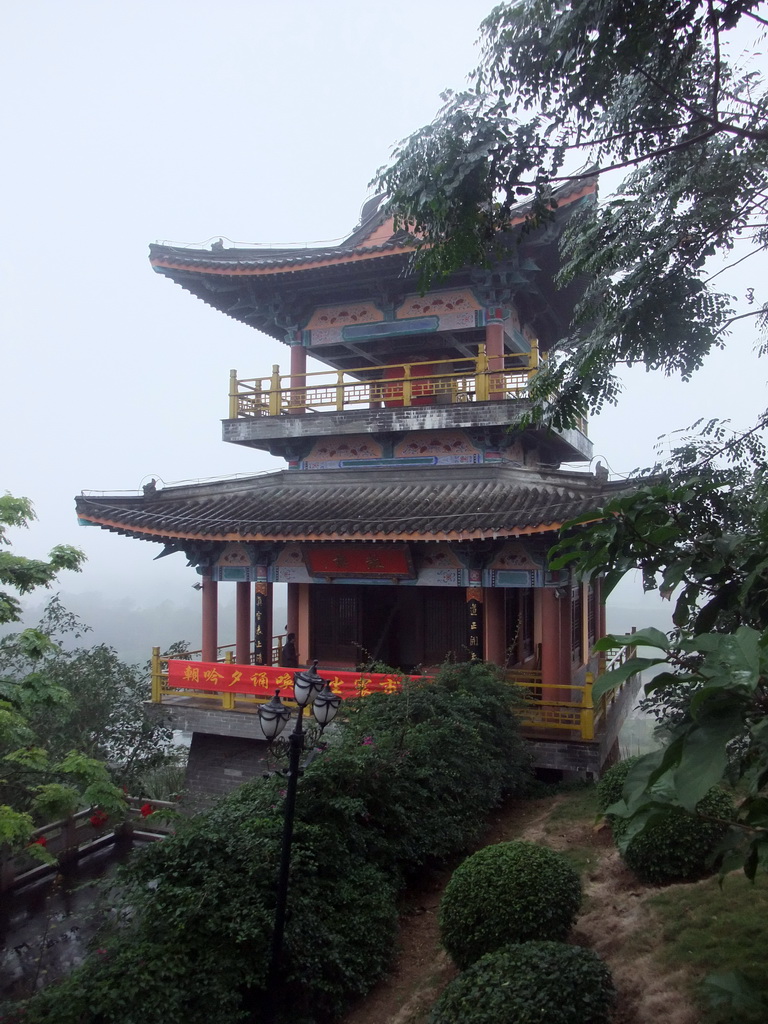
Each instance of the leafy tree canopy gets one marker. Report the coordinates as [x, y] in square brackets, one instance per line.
[668, 95]
[72, 727]
[26, 574]
[654, 88]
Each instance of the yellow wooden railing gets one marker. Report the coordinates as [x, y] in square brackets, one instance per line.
[401, 384]
[610, 660]
[560, 707]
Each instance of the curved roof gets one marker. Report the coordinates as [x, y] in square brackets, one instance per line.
[442, 503]
[272, 288]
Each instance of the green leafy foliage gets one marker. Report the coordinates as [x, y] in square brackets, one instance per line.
[54, 800]
[26, 574]
[696, 529]
[528, 984]
[510, 892]
[611, 785]
[719, 738]
[73, 716]
[419, 770]
[15, 828]
[648, 86]
[193, 915]
[680, 845]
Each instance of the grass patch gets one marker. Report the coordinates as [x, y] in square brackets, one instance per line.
[577, 805]
[707, 930]
[576, 812]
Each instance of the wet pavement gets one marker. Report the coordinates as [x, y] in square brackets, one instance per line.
[46, 927]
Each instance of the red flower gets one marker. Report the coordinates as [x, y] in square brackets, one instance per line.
[146, 810]
[98, 818]
[40, 841]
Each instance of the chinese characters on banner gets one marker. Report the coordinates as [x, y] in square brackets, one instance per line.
[263, 680]
[475, 624]
[262, 652]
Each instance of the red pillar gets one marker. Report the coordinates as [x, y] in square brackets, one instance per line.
[292, 609]
[494, 348]
[302, 624]
[494, 625]
[243, 624]
[555, 644]
[210, 628]
[600, 624]
[298, 377]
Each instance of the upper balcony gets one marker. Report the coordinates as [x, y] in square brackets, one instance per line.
[275, 413]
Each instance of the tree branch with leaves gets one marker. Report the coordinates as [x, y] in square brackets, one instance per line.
[650, 87]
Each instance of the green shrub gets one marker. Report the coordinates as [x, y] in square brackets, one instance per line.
[411, 775]
[510, 892]
[611, 785]
[418, 771]
[679, 847]
[531, 983]
[676, 848]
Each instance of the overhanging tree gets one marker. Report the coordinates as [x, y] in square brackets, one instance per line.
[669, 94]
[654, 88]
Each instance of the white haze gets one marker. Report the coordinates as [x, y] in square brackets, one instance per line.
[252, 120]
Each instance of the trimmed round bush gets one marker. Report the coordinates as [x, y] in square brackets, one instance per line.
[507, 893]
[530, 983]
[610, 786]
[676, 848]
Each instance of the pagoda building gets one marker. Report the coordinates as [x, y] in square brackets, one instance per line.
[413, 519]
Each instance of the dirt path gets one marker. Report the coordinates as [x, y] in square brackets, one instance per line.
[614, 907]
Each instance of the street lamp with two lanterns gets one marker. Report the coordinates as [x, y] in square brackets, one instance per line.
[309, 690]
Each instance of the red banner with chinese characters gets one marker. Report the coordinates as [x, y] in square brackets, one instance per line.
[360, 561]
[263, 680]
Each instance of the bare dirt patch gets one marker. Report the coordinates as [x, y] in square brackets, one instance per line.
[616, 922]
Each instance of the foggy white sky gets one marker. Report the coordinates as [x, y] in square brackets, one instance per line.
[256, 120]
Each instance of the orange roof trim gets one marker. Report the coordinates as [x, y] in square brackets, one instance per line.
[403, 535]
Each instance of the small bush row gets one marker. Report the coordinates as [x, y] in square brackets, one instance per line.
[501, 914]
[412, 775]
[509, 892]
[531, 983]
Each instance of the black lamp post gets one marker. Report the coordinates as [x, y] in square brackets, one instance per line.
[308, 689]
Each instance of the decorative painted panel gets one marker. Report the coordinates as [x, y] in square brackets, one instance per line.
[289, 566]
[234, 555]
[436, 556]
[455, 309]
[445, 448]
[391, 329]
[515, 555]
[512, 578]
[336, 453]
[234, 574]
[340, 316]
